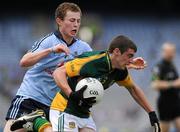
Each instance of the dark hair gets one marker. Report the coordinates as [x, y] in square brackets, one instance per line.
[123, 43]
[62, 9]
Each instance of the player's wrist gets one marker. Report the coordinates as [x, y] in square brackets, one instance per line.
[153, 118]
[154, 121]
[71, 94]
[74, 96]
[52, 50]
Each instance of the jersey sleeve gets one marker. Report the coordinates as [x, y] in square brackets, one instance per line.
[88, 48]
[73, 67]
[41, 44]
[127, 82]
[85, 65]
[85, 45]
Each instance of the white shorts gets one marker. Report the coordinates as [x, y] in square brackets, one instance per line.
[64, 122]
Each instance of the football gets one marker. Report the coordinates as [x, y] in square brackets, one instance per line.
[94, 88]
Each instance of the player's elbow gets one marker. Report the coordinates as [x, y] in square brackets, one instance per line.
[59, 72]
[24, 63]
[55, 73]
[27, 60]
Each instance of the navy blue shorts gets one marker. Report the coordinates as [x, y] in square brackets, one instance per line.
[21, 105]
[168, 110]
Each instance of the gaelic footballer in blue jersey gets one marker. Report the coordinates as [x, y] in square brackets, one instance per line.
[38, 87]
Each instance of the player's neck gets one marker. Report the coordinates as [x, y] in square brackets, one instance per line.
[67, 39]
[114, 62]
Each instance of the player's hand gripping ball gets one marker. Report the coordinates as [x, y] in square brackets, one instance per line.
[94, 88]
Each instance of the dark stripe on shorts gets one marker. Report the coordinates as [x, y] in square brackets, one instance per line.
[16, 106]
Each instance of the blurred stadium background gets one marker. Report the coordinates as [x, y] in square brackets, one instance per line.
[149, 23]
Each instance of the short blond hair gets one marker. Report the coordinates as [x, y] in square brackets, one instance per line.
[62, 9]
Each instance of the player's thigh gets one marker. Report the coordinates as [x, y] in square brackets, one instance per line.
[63, 122]
[177, 123]
[165, 126]
[86, 130]
[87, 124]
[54, 116]
[8, 125]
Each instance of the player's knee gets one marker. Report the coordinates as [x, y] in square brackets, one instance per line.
[8, 125]
[165, 126]
[177, 124]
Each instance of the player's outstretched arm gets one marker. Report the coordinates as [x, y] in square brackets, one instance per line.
[31, 58]
[141, 99]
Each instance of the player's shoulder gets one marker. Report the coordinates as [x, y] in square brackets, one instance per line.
[159, 64]
[46, 38]
[82, 43]
[121, 74]
[96, 53]
[44, 41]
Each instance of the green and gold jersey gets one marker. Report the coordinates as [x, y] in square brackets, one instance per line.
[94, 64]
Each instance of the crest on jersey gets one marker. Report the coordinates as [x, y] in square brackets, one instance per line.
[72, 125]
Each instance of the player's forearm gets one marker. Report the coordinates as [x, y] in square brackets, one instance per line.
[30, 58]
[176, 83]
[61, 80]
[140, 98]
[160, 85]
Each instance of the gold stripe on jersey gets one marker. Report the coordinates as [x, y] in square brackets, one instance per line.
[127, 82]
[73, 67]
[59, 102]
[109, 63]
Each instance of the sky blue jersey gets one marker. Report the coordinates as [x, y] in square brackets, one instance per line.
[38, 83]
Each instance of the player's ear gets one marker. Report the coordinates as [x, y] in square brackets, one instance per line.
[116, 51]
[59, 21]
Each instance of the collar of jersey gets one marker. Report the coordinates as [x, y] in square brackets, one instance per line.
[59, 36]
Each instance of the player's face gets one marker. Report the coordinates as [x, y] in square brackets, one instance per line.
[169, 53]
[125, 58]
[71, 23]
